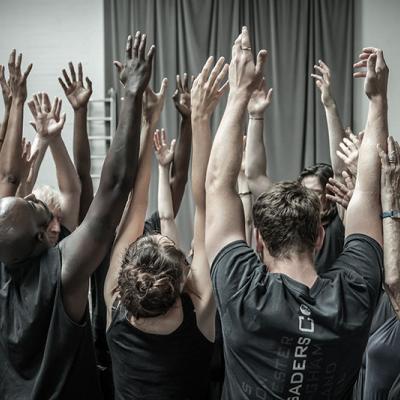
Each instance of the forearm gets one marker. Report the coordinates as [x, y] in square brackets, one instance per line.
[10, 157]
[81, 151]
[3, 128]
[226, 153]
[68, 180]
[246, 198]
[376, 132]
[40, 146]
[201, 154]
[180, 164]
[256, 158]
[336, 135]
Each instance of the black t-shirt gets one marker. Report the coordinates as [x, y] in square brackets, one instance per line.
[159, 367]
[283, 340]
[394, 393]
[332, 246]
[382, 360]
[43, 353]
[382, 313]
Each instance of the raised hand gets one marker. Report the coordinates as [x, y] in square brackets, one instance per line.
[390, 175]
[207, 88]
[48, 122]
[244, 75]
[259, 100]
[323, 83]
[181, 95]
[341, 193]
[5, 88]
[17, 81]
[153, 103]
[376, 75]
[350, 148]
[135, 73]
[74, 89]
[164, 153]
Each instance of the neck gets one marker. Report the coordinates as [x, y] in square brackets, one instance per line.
[299, 267]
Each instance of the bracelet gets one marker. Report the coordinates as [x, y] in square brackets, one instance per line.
[391, 214]
[244, 194]
[256, 118]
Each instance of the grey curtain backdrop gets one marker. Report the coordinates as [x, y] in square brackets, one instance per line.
[296, 33]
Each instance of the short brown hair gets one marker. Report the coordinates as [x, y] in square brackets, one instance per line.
[150, 278]
[288, 219]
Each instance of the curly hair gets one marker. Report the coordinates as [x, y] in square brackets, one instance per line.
[150, 278]
[288, 219]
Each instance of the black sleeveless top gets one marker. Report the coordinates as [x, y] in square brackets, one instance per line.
[43, 353]
[159, 367]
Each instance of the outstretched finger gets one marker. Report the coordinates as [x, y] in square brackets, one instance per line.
[89, 84]
[163, 138]
[66, 77]
[216, 71]
[342, 156]
[37, 104]
[206, 69]
[18, 62]
[371, 63]
[220, 78]
[185, 82]
[11, 62]
[173, 144]
[31, 105]
[27, 72]
[72, 69]
[135, 46]
[80, 73]
[261, 58]
[142, 46]
[348, 179]
[46, 102]
[128, 48]
[318, 78]
[245, 40]
[179, 83]
[63, 85]
[150, 54]
[164, 85]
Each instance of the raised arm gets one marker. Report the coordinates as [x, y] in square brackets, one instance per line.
[132, 223]
[28, 160]
[205, 95]
[165, 155]
[224, 218]
[363, 213]
[335, 127]
[256, 156]
[180, 164]
[390, 198]
[10, 155]
[49, 124]
[5, 88]
[78, 95]
[86, 247]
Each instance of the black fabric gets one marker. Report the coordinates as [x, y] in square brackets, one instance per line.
[283, 340]
[99, 325]
[383, 360]
[159, 367]
[332, 246]
[43, 354]
[394, 393]
[383, 312]
[64, 232]
[217, 369]
[152, 224]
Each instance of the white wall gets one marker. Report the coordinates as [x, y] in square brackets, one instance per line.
[378, 25]
[50, 33]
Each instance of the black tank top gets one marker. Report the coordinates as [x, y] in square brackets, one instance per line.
[159, 367]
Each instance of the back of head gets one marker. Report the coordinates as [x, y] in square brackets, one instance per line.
[151, 276]
[321, 170]
[288, 219]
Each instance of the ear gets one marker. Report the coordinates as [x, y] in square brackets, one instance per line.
[259, 244]
[41, 237]
[320, 238]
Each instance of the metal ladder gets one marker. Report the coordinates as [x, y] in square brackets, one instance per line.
[102, 124]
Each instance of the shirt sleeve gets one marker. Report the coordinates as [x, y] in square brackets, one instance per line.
[233, 271]
[362, 257]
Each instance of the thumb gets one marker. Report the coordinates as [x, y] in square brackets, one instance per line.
[164, 85]
[33, 125]
[269, 95]
[261, 58]
[118, 65]
[173, 144]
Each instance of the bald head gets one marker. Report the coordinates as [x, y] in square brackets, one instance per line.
[22, 223]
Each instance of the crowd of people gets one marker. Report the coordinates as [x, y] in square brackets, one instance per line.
[291, 290]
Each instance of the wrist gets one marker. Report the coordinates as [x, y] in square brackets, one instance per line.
[379, 101]
[330, 105]
[81, 110]
[256, 117]
[390, 202]
[199, 117]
